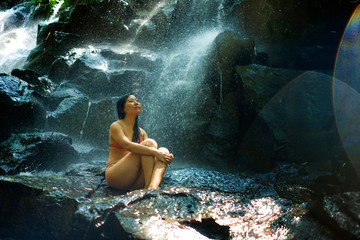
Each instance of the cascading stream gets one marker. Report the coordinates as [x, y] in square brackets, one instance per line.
[18, 34]
[17, 38]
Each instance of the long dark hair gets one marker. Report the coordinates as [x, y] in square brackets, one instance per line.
[120, 104]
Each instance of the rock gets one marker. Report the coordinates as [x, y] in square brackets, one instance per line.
[227, 207]
[59, 70]
[340, 212]
[191, 17]
[90, 80]
[96, 127]
[43, 209]
[61, 93]
[18, 110]
[310, 138]
[69, 116]
[44, 31]
[229, 49]
[120, 74]
[101, 21]
[149, 28]
[57, 44]
[37, 152]
[134, 60]
[258, 85]
[309, 30]
[220, 141]
[11, 21]
[41, 85]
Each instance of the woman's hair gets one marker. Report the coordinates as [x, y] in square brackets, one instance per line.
[120, 104]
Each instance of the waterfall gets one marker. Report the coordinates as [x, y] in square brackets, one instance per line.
[17, 38]
[18, 34]
[177, 102]
[54, 17]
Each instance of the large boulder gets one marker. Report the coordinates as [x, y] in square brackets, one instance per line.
[56, 44]
[298, 125]
[69, 116]
[258, 85]
[40, 84]
[151, 23]
[96, 127]
[228, 50]
[103, 74]
[31, 152]
[19, 109]
[102, 21]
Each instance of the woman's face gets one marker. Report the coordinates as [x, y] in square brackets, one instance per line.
[132, 105]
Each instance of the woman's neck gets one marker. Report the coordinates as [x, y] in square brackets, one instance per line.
[129, 120]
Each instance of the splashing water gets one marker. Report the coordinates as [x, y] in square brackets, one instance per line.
[176, 93]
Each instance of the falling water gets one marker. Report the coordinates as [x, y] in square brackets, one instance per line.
[54, 16]
[17, 38]
[18, 35]
[178, 97]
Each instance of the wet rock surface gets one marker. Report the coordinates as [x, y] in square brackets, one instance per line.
[192, 203]
[19, 109]
[37, 151]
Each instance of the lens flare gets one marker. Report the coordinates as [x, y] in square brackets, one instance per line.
[346, 88]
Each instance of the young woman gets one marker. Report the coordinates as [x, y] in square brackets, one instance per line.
[134, 161]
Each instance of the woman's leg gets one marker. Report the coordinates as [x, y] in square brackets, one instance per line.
[147, 162]
[158, 172]
[124, 173]
[133, 171]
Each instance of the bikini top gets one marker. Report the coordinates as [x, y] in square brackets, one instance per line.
[118, 146]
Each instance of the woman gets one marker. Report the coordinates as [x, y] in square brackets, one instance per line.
[134, 161]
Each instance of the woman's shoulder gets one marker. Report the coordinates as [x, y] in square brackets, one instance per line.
[116, 124]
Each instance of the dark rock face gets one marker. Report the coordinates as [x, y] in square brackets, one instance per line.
[259, 84]
[69, 116]
[228, 50]
[310, 31]
[100, 22]
[19, 109]
[305, 129]
[57, 43]
[87, 23]
[96, 127]
[38, 83]
[37, 152]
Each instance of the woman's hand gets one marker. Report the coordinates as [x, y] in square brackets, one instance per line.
[164, 156]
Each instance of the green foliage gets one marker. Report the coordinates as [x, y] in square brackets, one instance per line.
[50, 4]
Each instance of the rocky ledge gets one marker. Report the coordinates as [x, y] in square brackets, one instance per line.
[191, 204]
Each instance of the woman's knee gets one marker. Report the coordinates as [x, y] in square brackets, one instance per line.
[164, 149]
[149, 142]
